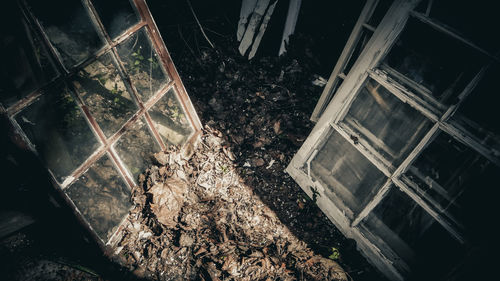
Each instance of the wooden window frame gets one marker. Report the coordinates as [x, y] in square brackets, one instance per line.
[147, 23]
[369, 65]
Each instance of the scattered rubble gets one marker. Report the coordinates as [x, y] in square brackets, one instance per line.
[196, 219]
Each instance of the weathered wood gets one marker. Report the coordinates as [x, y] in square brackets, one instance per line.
[262, 30]
[327, 94]
[12, 221]
[247, 6]
[258, 13]
[291, 21]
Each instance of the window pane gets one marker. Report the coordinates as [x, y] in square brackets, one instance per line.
[423, 244]
[69, 28]
[476, 21]
[136, 148]
[102, 197]
[142, 64]
[26, 64]
[170, 120]
[116, 15]
[388, 124]
[479, 112]
[103, 91]
[450, 176]
[441, 64]
[56, 126]
[346, 172]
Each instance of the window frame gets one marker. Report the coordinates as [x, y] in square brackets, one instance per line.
[369, 66]
[106, 144]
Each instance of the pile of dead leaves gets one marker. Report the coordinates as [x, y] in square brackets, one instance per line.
[194, 219]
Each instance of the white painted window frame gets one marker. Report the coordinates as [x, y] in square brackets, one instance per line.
[367, 66]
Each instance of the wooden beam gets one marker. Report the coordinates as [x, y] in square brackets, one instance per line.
[346, 54]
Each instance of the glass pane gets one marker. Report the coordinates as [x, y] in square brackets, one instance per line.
[170, 120]
[56, 126]
[479, 112]
[69, 28]
[379, 13]
[389, 125]
[423, 244]
[441, 64]
[26, 65]
[476, 21]
[142, 64]
[346, 172]
[102, 197]
[136, 148]
[450, 176]
[103, 91]
[116, 16]
[360, 45]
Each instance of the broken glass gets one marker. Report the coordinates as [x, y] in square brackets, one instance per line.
[346, 172]
[449, 175]
[136, 148]
[142, 64]
[423, 244]
[26, 64]
[102, 197]
[170, 120]
[57, 127]
[69, 28]
[389, 125]
[440, 64]
[104, 92]
[116, 16]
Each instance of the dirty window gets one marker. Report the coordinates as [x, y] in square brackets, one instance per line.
[442, 65]
[479, 112]
[414, 235]
[116, 16]
[104, 92]
[69, 28]
[388, 124]
[448, 173]
[142, 64]
[346, 172]
[26, 64]
[136, 148]
[472, 21]
[56, 126]
[102, 197]
[170, 120]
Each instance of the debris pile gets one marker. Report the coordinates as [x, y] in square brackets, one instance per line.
[196, 219]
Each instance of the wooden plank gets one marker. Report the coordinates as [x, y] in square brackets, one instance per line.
[258, 13]
[262, 30]
[327, 94]
[291, 21]
[247, 6]
[372, 203]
